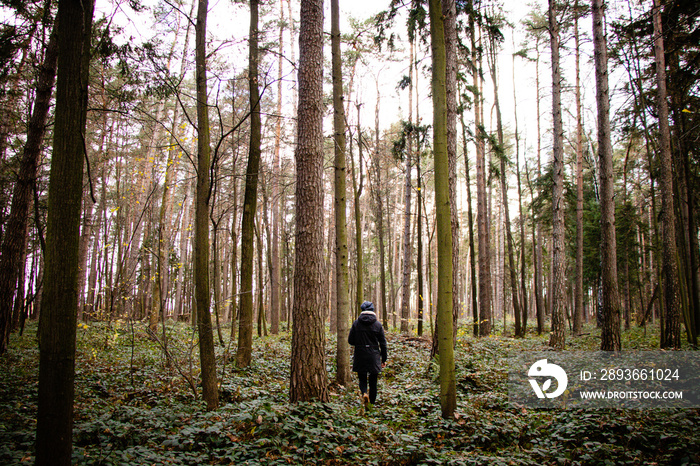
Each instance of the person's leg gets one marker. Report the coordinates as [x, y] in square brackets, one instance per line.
[362, 376]
[373, 387]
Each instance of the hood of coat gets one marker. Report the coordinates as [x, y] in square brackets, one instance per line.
[368, 317]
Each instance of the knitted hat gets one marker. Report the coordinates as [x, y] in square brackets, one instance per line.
[367, 306]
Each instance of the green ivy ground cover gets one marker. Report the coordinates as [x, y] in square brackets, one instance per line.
[132, 408]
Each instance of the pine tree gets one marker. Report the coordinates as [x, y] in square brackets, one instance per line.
[558, 336]
[308, 379]
[608, 244]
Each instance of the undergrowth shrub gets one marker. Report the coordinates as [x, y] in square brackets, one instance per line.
[137, 403]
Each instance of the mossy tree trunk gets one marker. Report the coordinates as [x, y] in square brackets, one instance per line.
[341, 233]
[210, 390]
[442, 201]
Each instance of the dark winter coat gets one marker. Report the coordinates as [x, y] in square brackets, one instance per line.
[367, 336]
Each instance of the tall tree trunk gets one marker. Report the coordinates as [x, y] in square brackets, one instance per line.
[308, 378]
[686, 230]
[265, 210]
[450, 37]
[341, 233]
[357, 193]
[470, 217]
[14, 240]
[393, 266]
[406, 270]
[262, 320]
[610, 338]
[504, 193]
[180, 291]
[523, 279]
[329, 304]
[86, 232]
[379, 205]
[419, 252]
[671, 336]
[276, 197]
[210, 390]
[578, 285]
[245, 333]
[640, 101]
[234, 244]
[100, 306]
[288, 281]
[216, 267]
[558, 336]
[448, 400]
[686, 206]
[94, 269]
[482, 217]
[136, 209]
[537, 256]
[60, 294]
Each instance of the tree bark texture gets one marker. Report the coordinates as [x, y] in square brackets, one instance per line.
[610, 337]
[245, 332]
[671, 336]
[276, 277]
[406, 271]
[450, 38]
[558, 336]
[482, 217]
[523, 275]
[359, 254]
[379, 206]
[470, 218]
[210, 390]
[578, 285]
[537, 256]
[419, 251]
[60, 294]
[448, 401]
[341, 232]
[308, 378]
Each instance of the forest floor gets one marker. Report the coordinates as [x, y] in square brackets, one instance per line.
[133, 408]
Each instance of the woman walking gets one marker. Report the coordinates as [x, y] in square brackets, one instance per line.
[367, 336]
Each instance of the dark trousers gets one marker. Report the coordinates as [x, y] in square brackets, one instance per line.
[372, 385]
